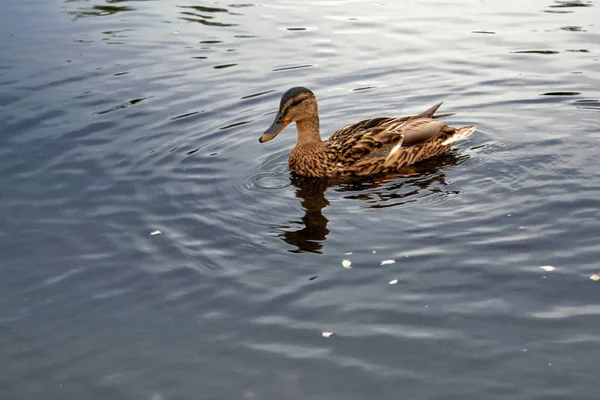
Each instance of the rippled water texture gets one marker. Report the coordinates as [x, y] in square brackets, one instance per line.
[121, 118]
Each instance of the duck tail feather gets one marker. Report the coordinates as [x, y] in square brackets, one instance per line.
[460, 134]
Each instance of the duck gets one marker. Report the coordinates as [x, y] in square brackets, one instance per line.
[369, 147]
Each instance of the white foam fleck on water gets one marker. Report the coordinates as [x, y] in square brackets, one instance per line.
[388, 262]
[155, 232]
[393, 281]
[547, 268]
[347, 264]
[326, 334]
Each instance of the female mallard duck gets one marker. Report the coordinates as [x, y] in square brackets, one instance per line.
[372, 146]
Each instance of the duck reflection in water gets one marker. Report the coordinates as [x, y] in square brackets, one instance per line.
[415, 183]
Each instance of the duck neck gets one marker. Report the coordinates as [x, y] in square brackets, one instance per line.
[308, 130]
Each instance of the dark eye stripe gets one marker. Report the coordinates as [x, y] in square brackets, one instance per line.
[294, 103]
[297, 101]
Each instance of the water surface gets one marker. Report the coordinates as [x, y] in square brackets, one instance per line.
[120, 118]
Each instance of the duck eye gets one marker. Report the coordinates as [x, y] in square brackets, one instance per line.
[297, 102]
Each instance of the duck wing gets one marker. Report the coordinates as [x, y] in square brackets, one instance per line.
[376, 137]
[358, 141]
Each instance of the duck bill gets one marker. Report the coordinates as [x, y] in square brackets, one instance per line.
[274, 130]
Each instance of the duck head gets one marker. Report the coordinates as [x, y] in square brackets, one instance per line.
[296, 104]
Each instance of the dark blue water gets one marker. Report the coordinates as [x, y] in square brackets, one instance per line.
[120, 118]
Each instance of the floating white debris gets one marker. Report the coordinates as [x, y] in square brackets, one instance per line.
[348, 253]
[374, 252]
[156, 232]
[547, 268]
[523, 350]
[175, 32]
[393, 281]
[595, 278]
[387, 262]
[521, 227]
[326, 334]
[347, 264]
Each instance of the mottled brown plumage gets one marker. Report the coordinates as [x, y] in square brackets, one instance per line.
[373, 146]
